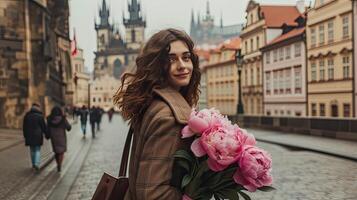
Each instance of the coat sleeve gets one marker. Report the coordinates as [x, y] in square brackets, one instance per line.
[156, 163]
[44, 128]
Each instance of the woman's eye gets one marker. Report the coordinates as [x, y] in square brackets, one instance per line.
[186, 58]
[172, 59]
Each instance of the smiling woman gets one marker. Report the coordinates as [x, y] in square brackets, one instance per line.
[157, 101]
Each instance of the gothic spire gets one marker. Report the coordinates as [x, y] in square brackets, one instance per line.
[135, 15]
[104, 14]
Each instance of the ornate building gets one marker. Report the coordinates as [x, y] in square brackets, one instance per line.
[34, 57]
[204, 31]
[114, 52]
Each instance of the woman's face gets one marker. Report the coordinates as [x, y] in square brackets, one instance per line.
[181, 66]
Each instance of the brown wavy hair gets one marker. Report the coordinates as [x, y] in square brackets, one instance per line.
[135, 94]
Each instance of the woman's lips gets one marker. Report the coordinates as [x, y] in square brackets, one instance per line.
[182, 75]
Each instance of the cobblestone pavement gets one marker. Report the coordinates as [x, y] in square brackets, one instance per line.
[104, 156]
[303, 175]
[298, 175]
[18, 181]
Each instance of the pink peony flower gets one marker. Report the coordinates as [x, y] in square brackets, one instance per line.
[204, 119]
[223, 146]
[254, 169]
[185, 197]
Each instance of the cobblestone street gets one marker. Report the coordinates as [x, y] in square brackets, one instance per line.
[298, 175]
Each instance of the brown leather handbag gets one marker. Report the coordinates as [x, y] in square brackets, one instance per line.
[112, 188]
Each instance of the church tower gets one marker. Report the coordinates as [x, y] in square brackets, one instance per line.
[134, 26]
[104, 29]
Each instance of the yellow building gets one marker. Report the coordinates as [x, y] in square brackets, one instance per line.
[204, 56]
[330, 60]
[263, 24]
[222, 78]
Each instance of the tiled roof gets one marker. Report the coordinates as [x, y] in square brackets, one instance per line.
[292, 33]
[232, 44]
[276, 16]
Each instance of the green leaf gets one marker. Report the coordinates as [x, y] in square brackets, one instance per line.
[266, 188]
[183, 154]
[184, 164]
[244, 195]
[229, 194]
[186, 180]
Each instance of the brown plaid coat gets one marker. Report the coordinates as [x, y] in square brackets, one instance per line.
[154, 143]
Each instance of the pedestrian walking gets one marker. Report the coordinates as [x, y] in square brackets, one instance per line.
[157, 101]
[57, 125]
[100, 112]
[93, 118]
[83, 115]
[110, 114]
[34, 128]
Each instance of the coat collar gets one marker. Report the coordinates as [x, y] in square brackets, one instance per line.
[179, 106]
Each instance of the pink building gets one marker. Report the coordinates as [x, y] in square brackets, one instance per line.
[284, 67]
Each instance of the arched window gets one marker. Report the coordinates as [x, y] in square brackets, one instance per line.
[117, 68]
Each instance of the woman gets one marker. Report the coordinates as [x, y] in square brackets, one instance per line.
[157, 101]
[57, 126]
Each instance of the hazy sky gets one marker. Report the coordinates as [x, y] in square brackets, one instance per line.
[159, 14]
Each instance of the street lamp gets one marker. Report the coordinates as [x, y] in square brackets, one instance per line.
[239, 61]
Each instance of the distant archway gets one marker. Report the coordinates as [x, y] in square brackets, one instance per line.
[117, 68]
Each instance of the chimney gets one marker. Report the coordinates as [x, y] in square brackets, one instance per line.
[300, 5]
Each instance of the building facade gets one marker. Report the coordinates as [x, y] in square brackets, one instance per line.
[102, 91]
[330, 59]
[284, 69]
[80, 80]
[114, 53]
[204, 31]
[354, 4]
[263, 24]
[222, 78]
[34, 57]
[204, 57]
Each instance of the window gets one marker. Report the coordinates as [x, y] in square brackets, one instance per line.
[252, 76]
[275, 55]
[251, 18]
[288, 81]
[275, 82]
[313, 109]
[258, 75]
[330, 64]
[313, 71]
[258, 43]
[246, 47]
[321, 34]
[322, 70]
[322, 109]
[93, 99]
[346, 67]
[297, 113]
[298, 80]
[267, 57]
[298, 50]
[3, 83]
[281, 54]
[313, 37]
[330, 32]
[287, 52]
[267, 82]
[346, 110]
[345, 26]
[251, 45]
[246, 77]
[334, 110]
[99, 99]
[281, 81]
[133, 39]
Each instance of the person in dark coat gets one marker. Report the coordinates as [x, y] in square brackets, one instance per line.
[57, 126]
[34, 128]
[99, 113]
[83, 115]
[93, 118]
[110, 114]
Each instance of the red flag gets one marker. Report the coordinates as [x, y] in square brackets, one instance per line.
[74, 44]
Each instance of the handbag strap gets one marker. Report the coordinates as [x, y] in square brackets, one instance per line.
[125, 155]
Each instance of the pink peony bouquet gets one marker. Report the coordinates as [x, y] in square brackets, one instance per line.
[223, 161]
